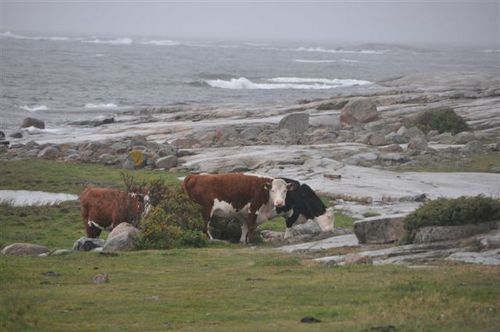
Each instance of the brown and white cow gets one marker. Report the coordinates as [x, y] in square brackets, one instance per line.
[249, 198]
[104, 208]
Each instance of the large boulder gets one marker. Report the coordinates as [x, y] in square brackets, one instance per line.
[124, 237]
[166, 162]
[376, 139]
[417, 144]
[473, 147]
[463, 137]
[359, 111]
[32, 122]
[295, 123]
[49, 152]
[378, 230]
[310, 227]
[87, 244]
[24, 249]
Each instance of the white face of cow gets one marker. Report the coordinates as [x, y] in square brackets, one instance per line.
[278, 190]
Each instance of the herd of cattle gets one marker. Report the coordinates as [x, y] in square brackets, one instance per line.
[250, 198]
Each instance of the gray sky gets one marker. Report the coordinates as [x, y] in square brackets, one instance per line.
[410, 22]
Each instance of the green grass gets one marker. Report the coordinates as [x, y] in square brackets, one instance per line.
[219, 288]
[55, 226]
[72, 178]
[474, 163]
[239, 289]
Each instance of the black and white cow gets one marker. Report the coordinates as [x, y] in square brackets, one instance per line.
[303, 204]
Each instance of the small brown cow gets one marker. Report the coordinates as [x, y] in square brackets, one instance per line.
[247, 197]
[104, 209]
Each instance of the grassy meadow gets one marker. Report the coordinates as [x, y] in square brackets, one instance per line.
[219, 288]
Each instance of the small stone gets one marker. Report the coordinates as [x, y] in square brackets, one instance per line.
[310, 319]
[100, 278]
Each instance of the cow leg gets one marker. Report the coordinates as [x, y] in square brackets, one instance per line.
[251, 225]
[289, 223]
[206, 213]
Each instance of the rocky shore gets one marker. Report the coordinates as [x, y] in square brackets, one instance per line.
[346, 147]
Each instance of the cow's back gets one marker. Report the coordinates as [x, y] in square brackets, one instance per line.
[235, 188]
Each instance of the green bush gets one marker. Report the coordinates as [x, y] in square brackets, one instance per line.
[449, 212]
[442, 120]
[174, 222]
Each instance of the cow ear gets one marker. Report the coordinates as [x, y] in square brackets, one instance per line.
[267, 186]
[292, 186]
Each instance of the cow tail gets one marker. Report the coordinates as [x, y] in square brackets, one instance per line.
[185, 184]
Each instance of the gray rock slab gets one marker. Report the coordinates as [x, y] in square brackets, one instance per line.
[348, 240]
[24, 249]
[444, 233]
[489, 257]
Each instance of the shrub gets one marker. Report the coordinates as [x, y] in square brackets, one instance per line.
[442, 120]
[449, 212]
[175, 221]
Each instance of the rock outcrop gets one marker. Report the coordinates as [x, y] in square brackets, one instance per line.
[24, 249]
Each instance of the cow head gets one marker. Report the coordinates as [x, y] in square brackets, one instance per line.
[277, 191]
[143, 202]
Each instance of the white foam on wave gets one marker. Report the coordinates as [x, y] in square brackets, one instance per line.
[325, 61]
[9, 34]
[100, 106]
[117, 41]
[166, 42]
[340, 51]
[491, 51]
[34, 108]
[314, 61]
[285, 83]
[335, 81]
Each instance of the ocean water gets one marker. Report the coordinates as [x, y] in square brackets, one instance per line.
[61, 79]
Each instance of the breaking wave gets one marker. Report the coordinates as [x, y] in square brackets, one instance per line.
[9, 34]
[100, 106]
[117, 41]
[285, 83]
[34, 108]
[325, 61]
[339, 51]
[166, 42]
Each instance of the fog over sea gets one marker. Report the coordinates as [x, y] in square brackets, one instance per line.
[62, 79]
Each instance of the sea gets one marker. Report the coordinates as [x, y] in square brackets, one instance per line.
[62, 79]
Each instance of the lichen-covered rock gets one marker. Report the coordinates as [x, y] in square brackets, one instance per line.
[137, 157]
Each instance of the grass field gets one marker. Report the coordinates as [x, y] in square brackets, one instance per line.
[219, 288]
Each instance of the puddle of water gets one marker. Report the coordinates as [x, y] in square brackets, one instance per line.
[27, 198]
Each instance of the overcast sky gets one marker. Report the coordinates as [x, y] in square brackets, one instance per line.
[410, 22]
